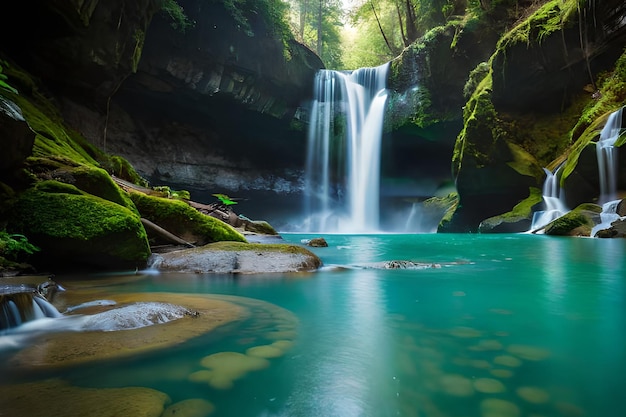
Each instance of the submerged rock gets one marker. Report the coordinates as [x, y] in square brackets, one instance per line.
[55, 398]
[192, 407]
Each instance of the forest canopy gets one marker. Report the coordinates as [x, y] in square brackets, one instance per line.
[350, 34]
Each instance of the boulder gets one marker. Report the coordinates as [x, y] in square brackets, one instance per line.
[182, 220]
[577, 222]
[73, 228]
[239, 258]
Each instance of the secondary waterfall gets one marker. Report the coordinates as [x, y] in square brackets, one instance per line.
[607, 216]
[343, 157]
[20, 304]
[553, 198]
[607, 156]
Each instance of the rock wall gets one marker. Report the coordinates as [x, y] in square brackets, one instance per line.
[214, 108]
[530, 108]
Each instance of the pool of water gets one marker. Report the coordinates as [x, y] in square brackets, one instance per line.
[492, 325]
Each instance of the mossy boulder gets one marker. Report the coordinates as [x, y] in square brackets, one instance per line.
[88, 178]
[240, 258]
[577, 222]
[74, 228]
[179, 218]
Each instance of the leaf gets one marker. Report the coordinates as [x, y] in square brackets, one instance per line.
[225, 199]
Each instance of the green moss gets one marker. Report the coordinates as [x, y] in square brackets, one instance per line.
[475, 77]
[273, 247]
[524, 209]
[53, 137]
[57, 212]
[179, 218]
[524, 163]
[140, 37]
[260, 226]
[90, 179]
[166, 191]
[449, 202]
[121, 168]
[577, 222]
[549, 18]
[610, 97]
[477, 136]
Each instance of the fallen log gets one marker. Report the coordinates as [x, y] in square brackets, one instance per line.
[170, 237]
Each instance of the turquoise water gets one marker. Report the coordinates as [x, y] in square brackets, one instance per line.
[536, 322]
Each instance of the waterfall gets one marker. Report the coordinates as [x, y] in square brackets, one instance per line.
[607, 156]
[607, 216]
[553, 199]
[342, 180]
[21, 304]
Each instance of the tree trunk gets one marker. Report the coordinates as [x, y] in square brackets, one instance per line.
[319, 28]
[380, 27]
[411, 22]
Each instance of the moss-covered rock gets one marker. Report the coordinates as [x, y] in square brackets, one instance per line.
[577, 222]
[87, 178]
[120, 167]
[73, 228]
[184, 221]
[240, 258]
[525, 113]
[259, 226]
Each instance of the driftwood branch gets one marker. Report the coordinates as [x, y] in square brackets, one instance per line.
[165, 234]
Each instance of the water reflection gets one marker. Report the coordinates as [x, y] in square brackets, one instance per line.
[533, 328]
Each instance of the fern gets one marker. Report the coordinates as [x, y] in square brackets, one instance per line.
[13, 245]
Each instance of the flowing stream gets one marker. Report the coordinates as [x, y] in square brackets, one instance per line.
[433, 325]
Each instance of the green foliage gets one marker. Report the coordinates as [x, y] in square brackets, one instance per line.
[15, 245]
[226, 200]
[176, 13]
[317, 24]
[3, 80]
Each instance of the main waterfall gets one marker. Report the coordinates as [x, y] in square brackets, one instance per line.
[342, 179]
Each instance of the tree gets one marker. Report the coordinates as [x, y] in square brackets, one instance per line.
[317, 24]
[398, 23]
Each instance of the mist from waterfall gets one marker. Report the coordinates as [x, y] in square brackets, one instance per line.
[607, 156]
[342, 180]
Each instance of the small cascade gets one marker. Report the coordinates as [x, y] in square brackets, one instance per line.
[20, 304]
[608, 216]
[343, 155]
[607, 156]
[553, 199]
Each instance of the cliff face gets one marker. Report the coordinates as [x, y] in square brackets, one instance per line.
[541, 91]
[216, 108]
[212, 108]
